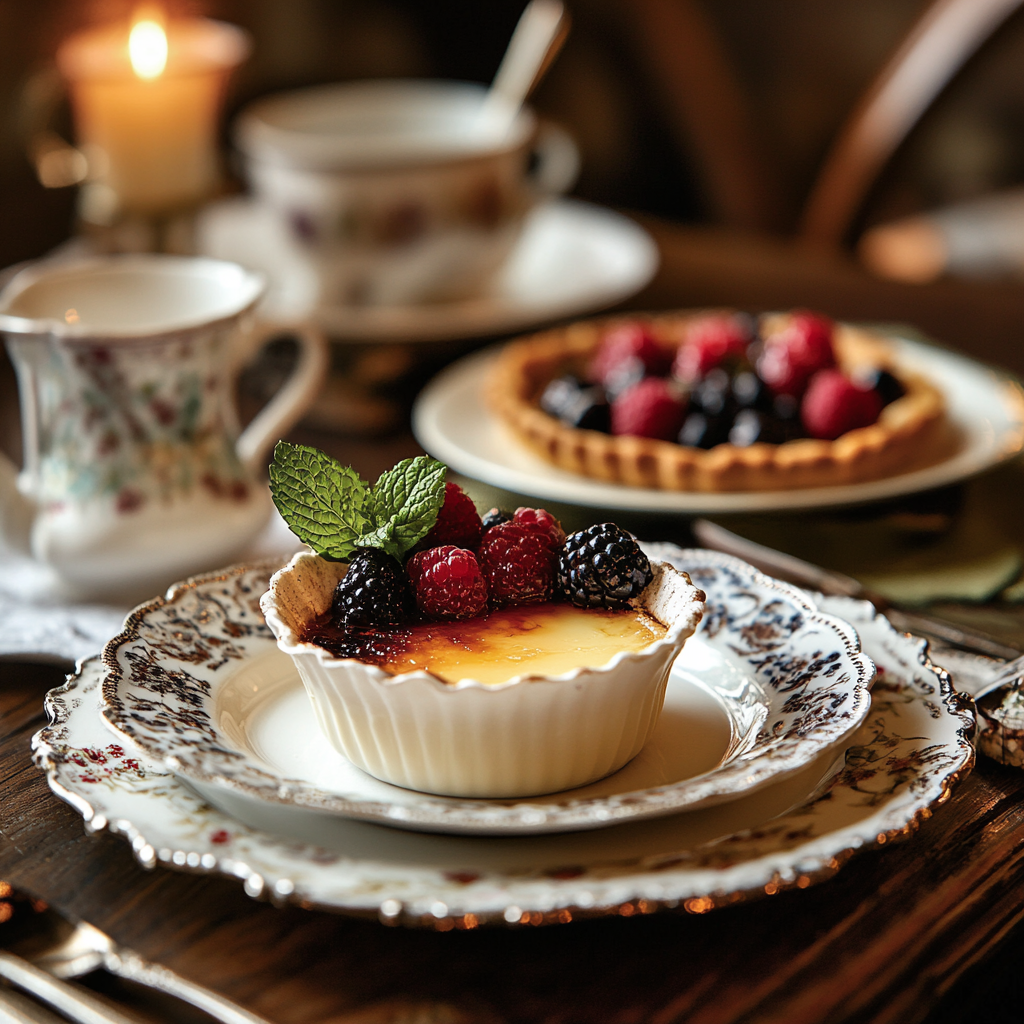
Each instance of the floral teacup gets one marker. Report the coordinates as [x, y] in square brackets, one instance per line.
[399, 192]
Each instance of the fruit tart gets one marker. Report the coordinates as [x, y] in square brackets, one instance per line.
[469, 656]
[719, 401]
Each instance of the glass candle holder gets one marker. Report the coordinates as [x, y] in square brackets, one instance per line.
[146, 114]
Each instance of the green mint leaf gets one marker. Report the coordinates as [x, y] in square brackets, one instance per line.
[324, 502]
[404, 504]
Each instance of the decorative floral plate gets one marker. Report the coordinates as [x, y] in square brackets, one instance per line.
[765, 686]
[900, 766]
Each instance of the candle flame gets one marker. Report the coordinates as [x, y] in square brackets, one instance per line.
[147, 47]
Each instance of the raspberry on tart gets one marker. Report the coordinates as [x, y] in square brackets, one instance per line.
[742, 429]
[834, 405]
[650, 408]
[628, 352]
[710, 341]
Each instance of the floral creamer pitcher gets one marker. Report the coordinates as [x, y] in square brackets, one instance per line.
[134, 470]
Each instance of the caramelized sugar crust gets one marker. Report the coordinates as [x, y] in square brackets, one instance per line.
[539, 639]
[911, 432]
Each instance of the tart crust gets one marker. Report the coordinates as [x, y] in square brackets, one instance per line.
[911, 432]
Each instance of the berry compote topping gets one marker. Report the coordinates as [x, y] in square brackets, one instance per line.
[474, 598]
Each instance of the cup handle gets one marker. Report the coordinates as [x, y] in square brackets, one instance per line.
[556, 161]
[294, 398]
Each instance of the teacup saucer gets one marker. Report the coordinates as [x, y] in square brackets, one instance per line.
[573, 258]
[767, 686]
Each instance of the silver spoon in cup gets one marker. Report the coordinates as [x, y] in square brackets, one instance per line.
[535, 43]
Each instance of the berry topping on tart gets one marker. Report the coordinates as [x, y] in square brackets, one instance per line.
[710, 342]
[747, 403]
[628, 353]
[834, 405]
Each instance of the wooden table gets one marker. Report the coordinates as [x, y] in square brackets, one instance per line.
[886, 940]
[883, 941]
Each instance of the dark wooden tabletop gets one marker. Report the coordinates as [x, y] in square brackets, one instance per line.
[901, 934]
[883, 941]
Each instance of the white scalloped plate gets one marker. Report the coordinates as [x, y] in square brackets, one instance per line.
[453, 423]
[899, 767]
[764, 687]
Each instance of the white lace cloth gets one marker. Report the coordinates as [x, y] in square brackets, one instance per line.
[39, 623]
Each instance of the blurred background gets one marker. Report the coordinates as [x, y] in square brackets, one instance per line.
[625, 86]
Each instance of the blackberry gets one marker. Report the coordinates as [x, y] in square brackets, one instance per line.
[576, 404]
[702, 431]
[750, 392]
[626, 373]
[752, 426]
[496, 516]
[882, 381]
[602, 567]
[712, 396]
[374, 593]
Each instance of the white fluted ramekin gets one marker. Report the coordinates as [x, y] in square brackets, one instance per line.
[531, 735]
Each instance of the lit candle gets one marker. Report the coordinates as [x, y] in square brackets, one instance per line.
[146, 104]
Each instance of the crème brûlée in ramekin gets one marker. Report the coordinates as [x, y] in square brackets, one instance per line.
[518, 702]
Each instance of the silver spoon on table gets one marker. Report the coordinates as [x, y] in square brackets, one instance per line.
[41, 948]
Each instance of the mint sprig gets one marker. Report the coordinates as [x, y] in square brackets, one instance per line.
[333, 510]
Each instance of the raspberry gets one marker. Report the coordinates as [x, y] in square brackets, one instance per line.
[649, 409]
[518, 562]
[778, 368]
[602, 567]
[709, 342]
[810, 336]
[631, 348]
[458, 522]
[373, 594]
[794, 353]
[447, 583]
[834, 404]
[544, 523]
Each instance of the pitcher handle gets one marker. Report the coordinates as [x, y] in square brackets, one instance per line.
[294, 398]
[16, 511]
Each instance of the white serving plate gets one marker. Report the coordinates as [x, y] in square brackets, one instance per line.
[452, 422]
[572, 258]
[897, 769]
[195, 685]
